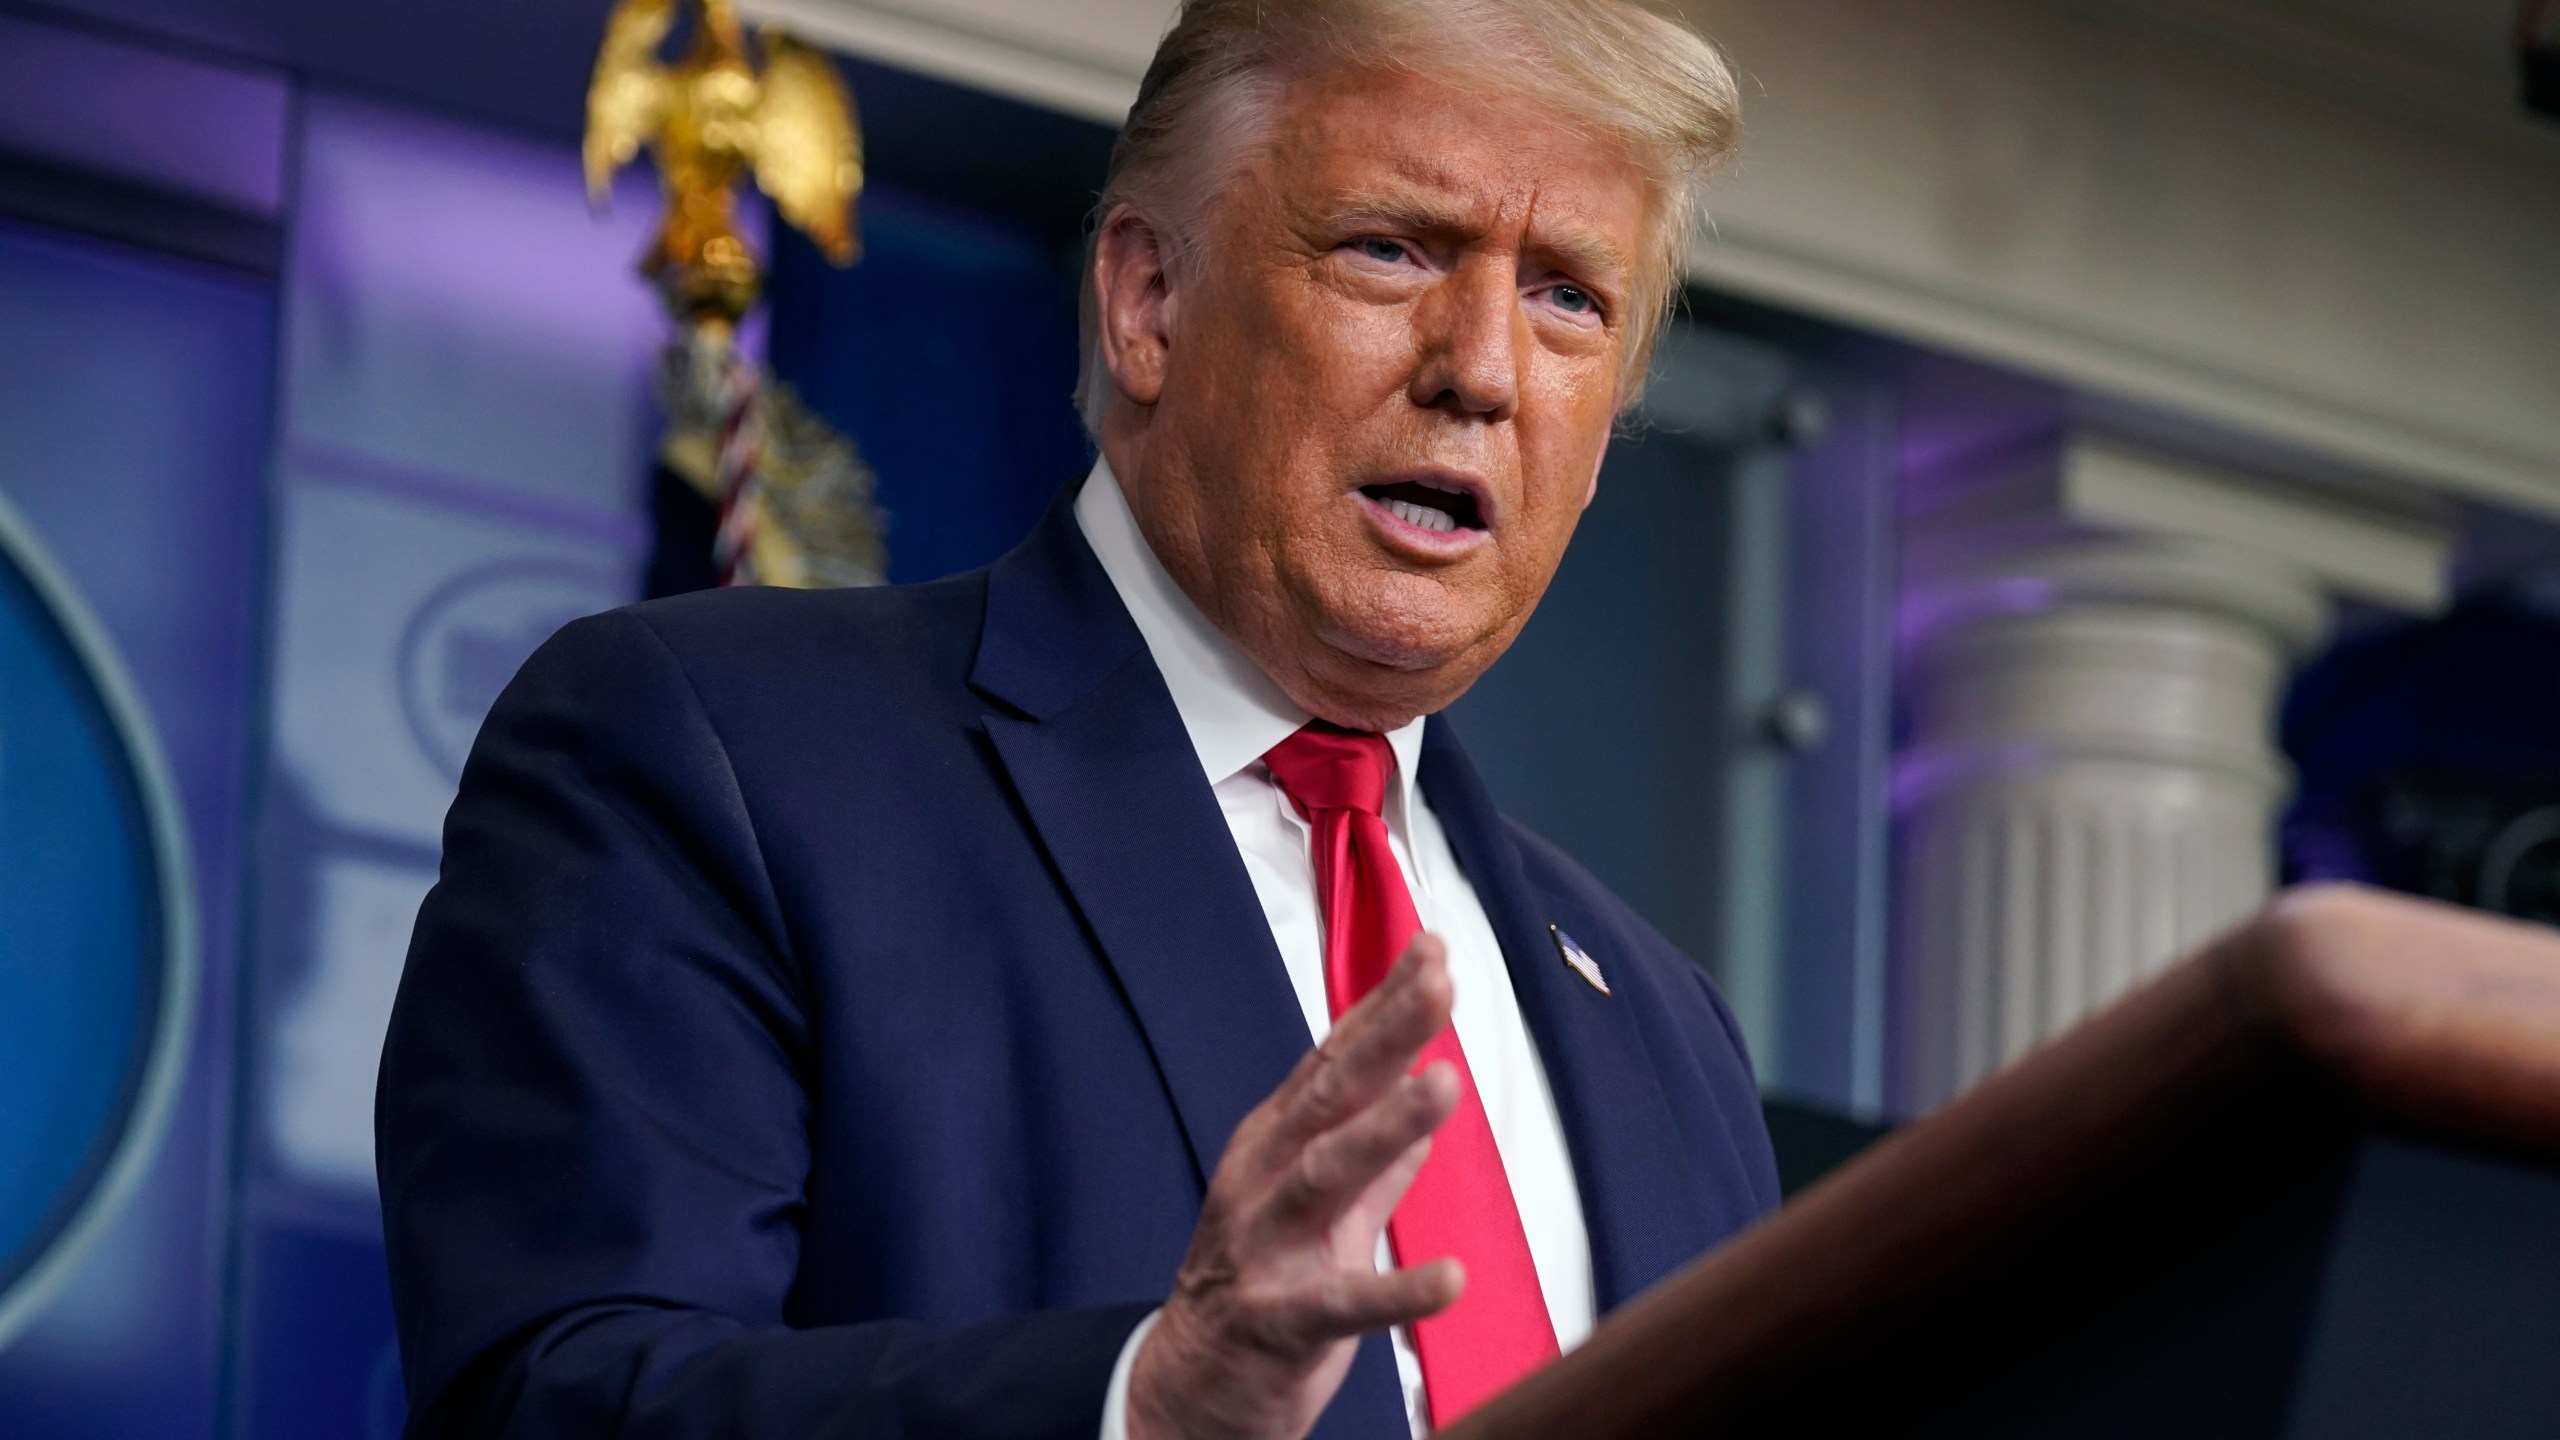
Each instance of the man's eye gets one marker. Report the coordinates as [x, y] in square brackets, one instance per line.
[1573, 299]
[1385, 252]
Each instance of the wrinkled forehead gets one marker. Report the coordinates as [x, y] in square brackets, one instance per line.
[1467, 161]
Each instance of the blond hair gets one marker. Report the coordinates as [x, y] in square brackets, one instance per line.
[1641, 80]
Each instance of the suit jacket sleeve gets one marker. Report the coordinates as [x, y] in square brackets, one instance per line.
[592, 1117]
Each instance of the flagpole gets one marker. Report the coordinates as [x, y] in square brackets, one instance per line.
[791, 499]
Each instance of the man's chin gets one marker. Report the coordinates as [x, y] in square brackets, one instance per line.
[1381, 648]
[1382, 676]
[1402, 643]
[1402, 620]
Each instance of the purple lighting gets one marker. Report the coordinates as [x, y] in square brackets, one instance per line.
[206, 131]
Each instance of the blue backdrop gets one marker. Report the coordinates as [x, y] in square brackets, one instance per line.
[134, 396]
[323, 509]
[949, 354]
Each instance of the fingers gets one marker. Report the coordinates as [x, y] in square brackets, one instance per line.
[1367, 1217]
[1349, 1303]
[1370, 1048]
[1345, 1163]
[1281, 1264]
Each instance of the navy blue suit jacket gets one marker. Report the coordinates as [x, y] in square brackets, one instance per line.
[833, 1002]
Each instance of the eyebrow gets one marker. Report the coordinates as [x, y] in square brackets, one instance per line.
[1579, 249]
[1586, 253]
[1398, 209]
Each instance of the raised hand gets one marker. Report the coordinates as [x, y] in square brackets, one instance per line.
[1281, 1279]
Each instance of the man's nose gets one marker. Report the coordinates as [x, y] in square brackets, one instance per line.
[1471, 334]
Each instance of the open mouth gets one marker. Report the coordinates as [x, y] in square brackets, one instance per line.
[1426, 506]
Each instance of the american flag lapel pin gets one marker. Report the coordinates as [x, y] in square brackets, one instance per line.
[1579, 960]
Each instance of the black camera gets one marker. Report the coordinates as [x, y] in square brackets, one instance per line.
[2538, 47]
[2478, 840]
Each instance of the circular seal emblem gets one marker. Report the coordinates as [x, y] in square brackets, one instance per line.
[466, 639]
[96, 942]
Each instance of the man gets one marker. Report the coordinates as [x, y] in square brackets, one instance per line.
[887, 1013]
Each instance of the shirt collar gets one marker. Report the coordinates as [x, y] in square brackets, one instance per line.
[1232, 711]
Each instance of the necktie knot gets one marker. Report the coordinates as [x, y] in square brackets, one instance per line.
[1325, 767]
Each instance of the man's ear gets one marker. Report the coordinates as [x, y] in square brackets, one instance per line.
[1133, 300]
[1591, 492]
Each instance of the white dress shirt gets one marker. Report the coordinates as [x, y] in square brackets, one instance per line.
[1234, 714]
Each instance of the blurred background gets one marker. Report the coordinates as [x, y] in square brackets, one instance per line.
[2108, 465]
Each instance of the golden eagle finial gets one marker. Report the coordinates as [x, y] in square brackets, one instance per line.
[713, 118]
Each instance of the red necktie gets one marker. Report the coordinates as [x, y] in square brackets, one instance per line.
[1461, 1202]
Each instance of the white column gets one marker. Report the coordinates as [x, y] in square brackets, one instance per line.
[2088, 788]
[2089, 780]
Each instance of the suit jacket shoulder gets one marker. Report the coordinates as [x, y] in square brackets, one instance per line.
[885, 654]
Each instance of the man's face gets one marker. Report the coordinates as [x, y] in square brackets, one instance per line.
[1368, 420]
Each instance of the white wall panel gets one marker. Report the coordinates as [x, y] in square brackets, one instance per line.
[2138, 215]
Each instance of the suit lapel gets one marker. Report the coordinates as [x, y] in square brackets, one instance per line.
[1112, 785]
[1116, 793]
[1640, 1196]
[1114, 790]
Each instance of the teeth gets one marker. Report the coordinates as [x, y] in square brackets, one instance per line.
[1421, 515]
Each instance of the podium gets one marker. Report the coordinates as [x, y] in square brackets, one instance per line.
[2306, 1184]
